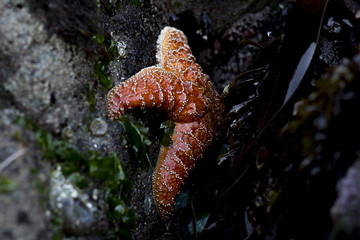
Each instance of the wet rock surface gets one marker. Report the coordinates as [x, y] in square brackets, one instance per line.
[68, 172]
[345, 212]
[23, 180]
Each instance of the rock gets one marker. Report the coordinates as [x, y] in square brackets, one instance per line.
[346, 209]
[75, 210]
[22, 181]
[47, 58]
[39, 70]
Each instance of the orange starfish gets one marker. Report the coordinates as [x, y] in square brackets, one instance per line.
[177, 86]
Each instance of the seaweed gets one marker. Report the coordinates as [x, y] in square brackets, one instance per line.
[288, 141]
[136, 140]
[107, 54]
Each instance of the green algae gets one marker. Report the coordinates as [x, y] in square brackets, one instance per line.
[168, 127]
[108, 51]
[89, 169]
[136, 140]
[7, 185]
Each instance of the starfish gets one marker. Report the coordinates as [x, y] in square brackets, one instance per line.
[177, 86]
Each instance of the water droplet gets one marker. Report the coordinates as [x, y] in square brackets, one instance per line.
[95, 194]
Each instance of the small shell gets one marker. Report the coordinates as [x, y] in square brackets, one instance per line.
[98, 127]
[67, 132]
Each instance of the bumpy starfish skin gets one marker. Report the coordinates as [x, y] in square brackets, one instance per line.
[178, 87]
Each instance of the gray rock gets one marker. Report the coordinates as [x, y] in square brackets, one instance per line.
[23, 179]
[76, 211]
[346, 209]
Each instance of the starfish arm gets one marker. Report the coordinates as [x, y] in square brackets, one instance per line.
[172, 44]
[183, 101]
[190, 140]
[174, 53]
[152, 87]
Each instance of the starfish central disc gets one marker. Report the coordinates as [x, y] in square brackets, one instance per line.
[177, 86]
